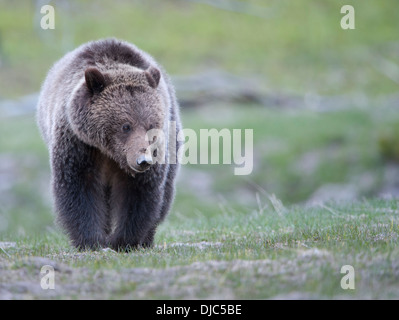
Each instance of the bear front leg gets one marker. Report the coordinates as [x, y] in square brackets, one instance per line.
[167, 200]
[137, 213]
[79, 196]
[169, 190]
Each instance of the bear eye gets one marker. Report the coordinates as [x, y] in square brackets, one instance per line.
[151, 126]
[155, 153]
[126, 128]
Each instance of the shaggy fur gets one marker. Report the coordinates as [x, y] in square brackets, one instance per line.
[95, 107]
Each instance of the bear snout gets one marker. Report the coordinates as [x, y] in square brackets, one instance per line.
[140, 162]
[144, 161]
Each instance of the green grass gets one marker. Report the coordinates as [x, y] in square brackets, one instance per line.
[298, 47]
[344, 146]
[247, 254]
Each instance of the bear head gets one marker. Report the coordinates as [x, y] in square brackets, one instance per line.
[113, 110]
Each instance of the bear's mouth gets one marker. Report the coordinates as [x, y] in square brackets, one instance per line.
[141, 170]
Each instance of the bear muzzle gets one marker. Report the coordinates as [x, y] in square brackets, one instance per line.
[142, 163]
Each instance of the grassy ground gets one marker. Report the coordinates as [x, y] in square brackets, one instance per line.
[272, 234]
[272, 252]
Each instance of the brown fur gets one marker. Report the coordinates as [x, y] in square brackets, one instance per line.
[95, 108]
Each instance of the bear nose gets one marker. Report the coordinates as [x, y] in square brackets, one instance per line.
[144, 160]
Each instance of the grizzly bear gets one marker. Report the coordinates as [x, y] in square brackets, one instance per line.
[96, 106]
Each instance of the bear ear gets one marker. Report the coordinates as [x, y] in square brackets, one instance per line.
[153, 76]
[95, 80]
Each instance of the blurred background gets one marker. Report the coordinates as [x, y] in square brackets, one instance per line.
[323, 102]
